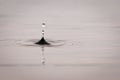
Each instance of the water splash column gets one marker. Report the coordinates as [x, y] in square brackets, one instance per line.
[43, 41]
[43, 29]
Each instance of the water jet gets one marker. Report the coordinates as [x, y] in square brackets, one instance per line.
[42, 41]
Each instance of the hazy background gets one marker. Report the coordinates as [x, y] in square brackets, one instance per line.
[89, 29]
[72, 12]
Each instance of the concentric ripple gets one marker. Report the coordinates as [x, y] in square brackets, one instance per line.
[31, 42]
[53, 43]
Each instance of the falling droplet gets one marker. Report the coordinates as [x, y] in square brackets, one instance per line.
[43, 30]
[43, 25]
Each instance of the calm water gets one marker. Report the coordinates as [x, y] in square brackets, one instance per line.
[85, 38]
[86, 53]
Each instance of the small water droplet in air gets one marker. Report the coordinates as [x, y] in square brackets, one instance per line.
[43, 25]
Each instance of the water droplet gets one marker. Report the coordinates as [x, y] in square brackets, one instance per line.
[43, 25]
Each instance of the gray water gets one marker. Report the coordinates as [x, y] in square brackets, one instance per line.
[84, 37]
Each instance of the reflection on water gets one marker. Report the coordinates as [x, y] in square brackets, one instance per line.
[42, 59]
[82, 52]
[42, 56]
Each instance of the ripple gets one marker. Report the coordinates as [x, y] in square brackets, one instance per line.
[31, 42]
